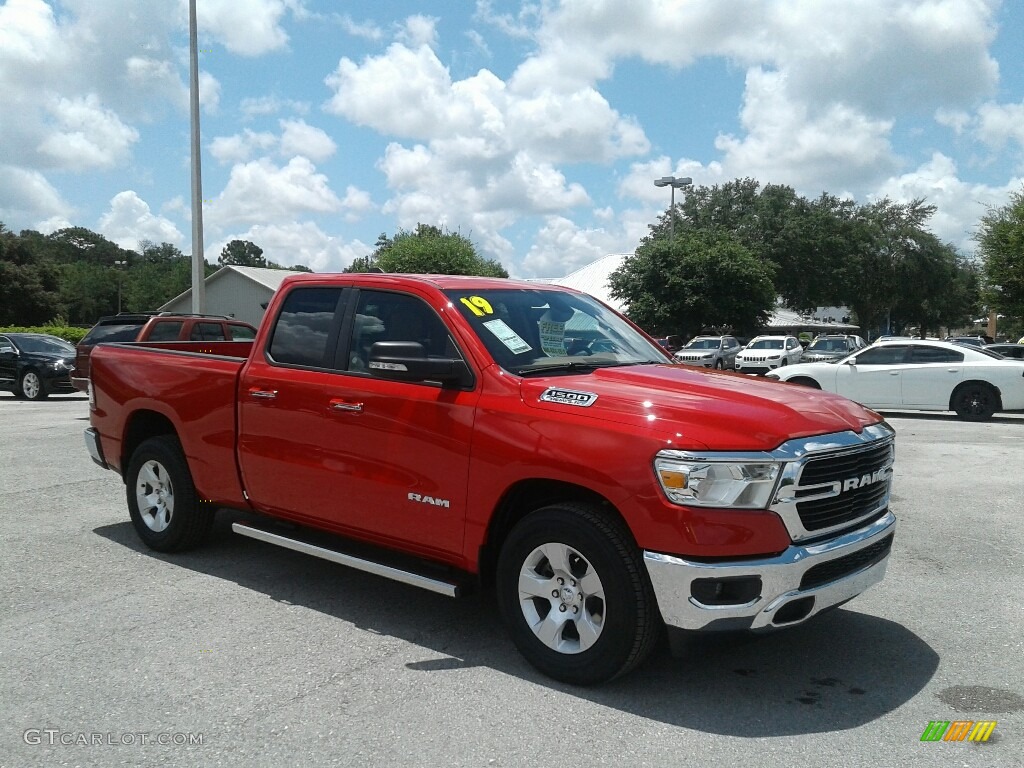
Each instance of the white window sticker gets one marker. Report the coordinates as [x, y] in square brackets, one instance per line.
[516, 344]
[552, 338]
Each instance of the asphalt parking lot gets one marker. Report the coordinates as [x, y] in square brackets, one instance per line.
[244, 654]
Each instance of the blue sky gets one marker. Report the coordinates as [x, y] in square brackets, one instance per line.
[534, 128]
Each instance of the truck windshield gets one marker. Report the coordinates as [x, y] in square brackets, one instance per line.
[704, 344]
[543, 331]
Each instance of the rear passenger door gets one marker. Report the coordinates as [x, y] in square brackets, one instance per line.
[325, 440]
[931, 376]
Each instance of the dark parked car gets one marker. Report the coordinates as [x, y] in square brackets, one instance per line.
[1013, 351]
[831, 348]
[671, 344]
[166, 326]
[974, 341]
[35, 365]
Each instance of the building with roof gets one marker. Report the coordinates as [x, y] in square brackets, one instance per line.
[239, 292]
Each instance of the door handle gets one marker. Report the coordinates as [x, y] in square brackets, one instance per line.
[894, 373]
[345, 405]
[263, 394]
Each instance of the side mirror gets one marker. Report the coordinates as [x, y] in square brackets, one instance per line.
[408, 361]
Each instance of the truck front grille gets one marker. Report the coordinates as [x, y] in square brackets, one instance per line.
[859, 483]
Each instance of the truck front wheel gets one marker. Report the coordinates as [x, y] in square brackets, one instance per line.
[574, 595]
[162, 499]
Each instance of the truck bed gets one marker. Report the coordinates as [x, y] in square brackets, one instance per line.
[190, 386]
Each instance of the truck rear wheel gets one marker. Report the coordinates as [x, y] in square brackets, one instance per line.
[162, 499]
[574, 595]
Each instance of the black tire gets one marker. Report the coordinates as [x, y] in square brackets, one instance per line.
[31, 386]
[719, 364]
[620, 621]
[805, 381]
[162, 500]
[975, 401]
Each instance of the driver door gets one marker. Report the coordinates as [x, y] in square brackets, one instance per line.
[872, 378]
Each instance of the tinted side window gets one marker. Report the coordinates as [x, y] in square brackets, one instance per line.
[383, 316]
[166, 331]
[882, 355]
[6, 346]
[207, 332]
[241, 333]
[111, 333]
[304, 327]
[934, 355]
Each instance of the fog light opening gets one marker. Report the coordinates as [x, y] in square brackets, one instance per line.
[734, 590]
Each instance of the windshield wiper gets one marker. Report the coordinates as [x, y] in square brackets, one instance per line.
[580, 367]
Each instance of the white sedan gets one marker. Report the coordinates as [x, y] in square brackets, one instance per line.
[919, 375]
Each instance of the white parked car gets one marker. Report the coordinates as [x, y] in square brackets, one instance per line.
[920, 375]
[766, 353]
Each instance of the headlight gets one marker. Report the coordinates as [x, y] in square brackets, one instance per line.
[774, 357]
[710, 482]
[58, 365]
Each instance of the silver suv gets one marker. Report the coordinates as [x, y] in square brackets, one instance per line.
[710, 352]
[766, 353]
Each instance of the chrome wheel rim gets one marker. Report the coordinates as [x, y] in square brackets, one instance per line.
[154, 495]
[31, 385]
[562, 598]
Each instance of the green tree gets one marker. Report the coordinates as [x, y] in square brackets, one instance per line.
[882, 238]
[427, 250]
[242, 253]
[1000, 239]
[698, 280]
[29, 283]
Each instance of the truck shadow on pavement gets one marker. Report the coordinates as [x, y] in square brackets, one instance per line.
[840, 671]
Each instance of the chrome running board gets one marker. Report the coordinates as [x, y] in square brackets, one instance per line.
[379, 569]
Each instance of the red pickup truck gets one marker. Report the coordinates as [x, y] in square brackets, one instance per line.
[453, 431]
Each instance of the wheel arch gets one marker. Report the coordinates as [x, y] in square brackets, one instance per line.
[141, 426]
[805, 381]
[974, 383]
[520, 500]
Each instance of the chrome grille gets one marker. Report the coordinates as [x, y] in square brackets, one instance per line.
[824, 498]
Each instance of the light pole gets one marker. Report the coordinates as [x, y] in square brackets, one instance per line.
[675, 183]
[119, 265]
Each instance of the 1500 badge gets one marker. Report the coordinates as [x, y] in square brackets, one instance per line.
[568, 397]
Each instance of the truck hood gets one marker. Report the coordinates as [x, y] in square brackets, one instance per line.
[695, 408]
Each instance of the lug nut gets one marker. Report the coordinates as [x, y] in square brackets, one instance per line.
[561, 608]
[575, 609]
[561, 580]
[554, 593]
[572, 582]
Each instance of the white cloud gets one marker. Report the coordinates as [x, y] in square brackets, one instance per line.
[241, 147]
[26, 196]
[268, 105]
[419, 30]
[960, 205]
[209, 92]
[1000, 124]
[260, 191]
[357, 203]
[300, 138]
[297, 138]
[86, 135]
[129, 220]
[248, 29]
[299, 243]
[810, 148]
[367, 30]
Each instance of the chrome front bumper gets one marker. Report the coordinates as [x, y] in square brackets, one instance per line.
[784, 599]
[92, 444]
